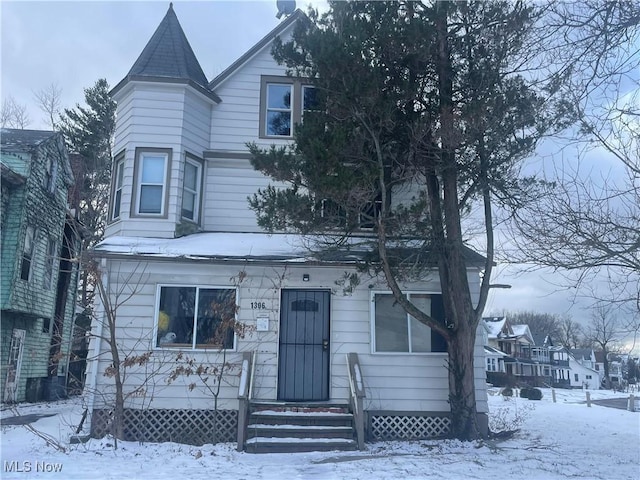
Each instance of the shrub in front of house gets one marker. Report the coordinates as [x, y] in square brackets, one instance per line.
[524, 392]
[535, 394]
[507, 392]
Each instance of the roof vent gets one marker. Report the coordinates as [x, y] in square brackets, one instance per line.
[285, 7]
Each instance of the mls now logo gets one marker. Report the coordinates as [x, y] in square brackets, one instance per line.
[26, 467]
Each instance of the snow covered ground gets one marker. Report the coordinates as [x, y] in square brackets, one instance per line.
[555, 441]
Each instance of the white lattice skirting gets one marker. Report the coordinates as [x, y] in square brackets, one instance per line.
[193, 427]
[407, 427]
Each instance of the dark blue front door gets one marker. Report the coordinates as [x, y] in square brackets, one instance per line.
[303, 365]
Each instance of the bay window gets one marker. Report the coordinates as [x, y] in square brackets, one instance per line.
[191, 189]
[152, 167]
[195, 317]
[116, 195]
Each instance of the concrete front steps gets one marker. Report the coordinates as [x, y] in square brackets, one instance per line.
[283, 427]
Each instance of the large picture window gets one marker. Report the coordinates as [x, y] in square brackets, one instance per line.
[283, 102]
[196, 317]
[191, 189]
[397, 332]
[151, 182]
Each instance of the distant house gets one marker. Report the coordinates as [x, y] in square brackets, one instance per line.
[616, 363]
[183, 243]
[560, 371]
[39, 243]
[525, 363]
[582, 376]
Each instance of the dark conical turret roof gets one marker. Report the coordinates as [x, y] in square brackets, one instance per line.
[168, 54]
[168, 57]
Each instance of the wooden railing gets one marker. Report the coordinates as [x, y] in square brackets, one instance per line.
[245, 391]
[356, 387]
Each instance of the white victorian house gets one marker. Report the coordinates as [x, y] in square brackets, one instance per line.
[183, 252]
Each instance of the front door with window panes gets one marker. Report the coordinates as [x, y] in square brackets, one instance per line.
[14, 364]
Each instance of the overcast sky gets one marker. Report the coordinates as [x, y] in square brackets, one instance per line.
[73, 44]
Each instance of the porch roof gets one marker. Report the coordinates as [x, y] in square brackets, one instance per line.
[259, 247]
[228, 246]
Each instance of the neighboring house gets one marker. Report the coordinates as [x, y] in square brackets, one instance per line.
[588, 358]
[560, 371]
[616, 363]
[581, 375]
[39, 243]
[183, 246]
[525, 363]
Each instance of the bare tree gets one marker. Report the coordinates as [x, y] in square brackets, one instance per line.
[48, 100]
[587, 222]
[13, 114]
[540, 324]
[606, 332]
[571, 333]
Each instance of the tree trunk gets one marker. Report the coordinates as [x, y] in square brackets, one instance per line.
[462, 391]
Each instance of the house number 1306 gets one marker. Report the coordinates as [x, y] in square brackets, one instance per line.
[258, 306]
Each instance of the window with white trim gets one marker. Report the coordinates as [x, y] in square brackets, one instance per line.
[191, 188]
[151, 182]
[492, 364]
[283, 103]
[27, 253]
[396, 331]
[196, 317]
[117, 188]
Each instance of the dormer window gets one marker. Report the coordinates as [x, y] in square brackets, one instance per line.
[283, 101]
[152, 167]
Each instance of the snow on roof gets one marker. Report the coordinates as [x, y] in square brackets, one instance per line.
[494, 352]
[494, 325]
[520, 330]
[221, 246]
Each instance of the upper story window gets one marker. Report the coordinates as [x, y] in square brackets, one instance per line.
[152, 167]
[283, 102]
[49, 264]
[50, 175]
[397, 332]
[27, 253]
[196, 317]
[191, 189]
[116, 195]
[279, 114]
